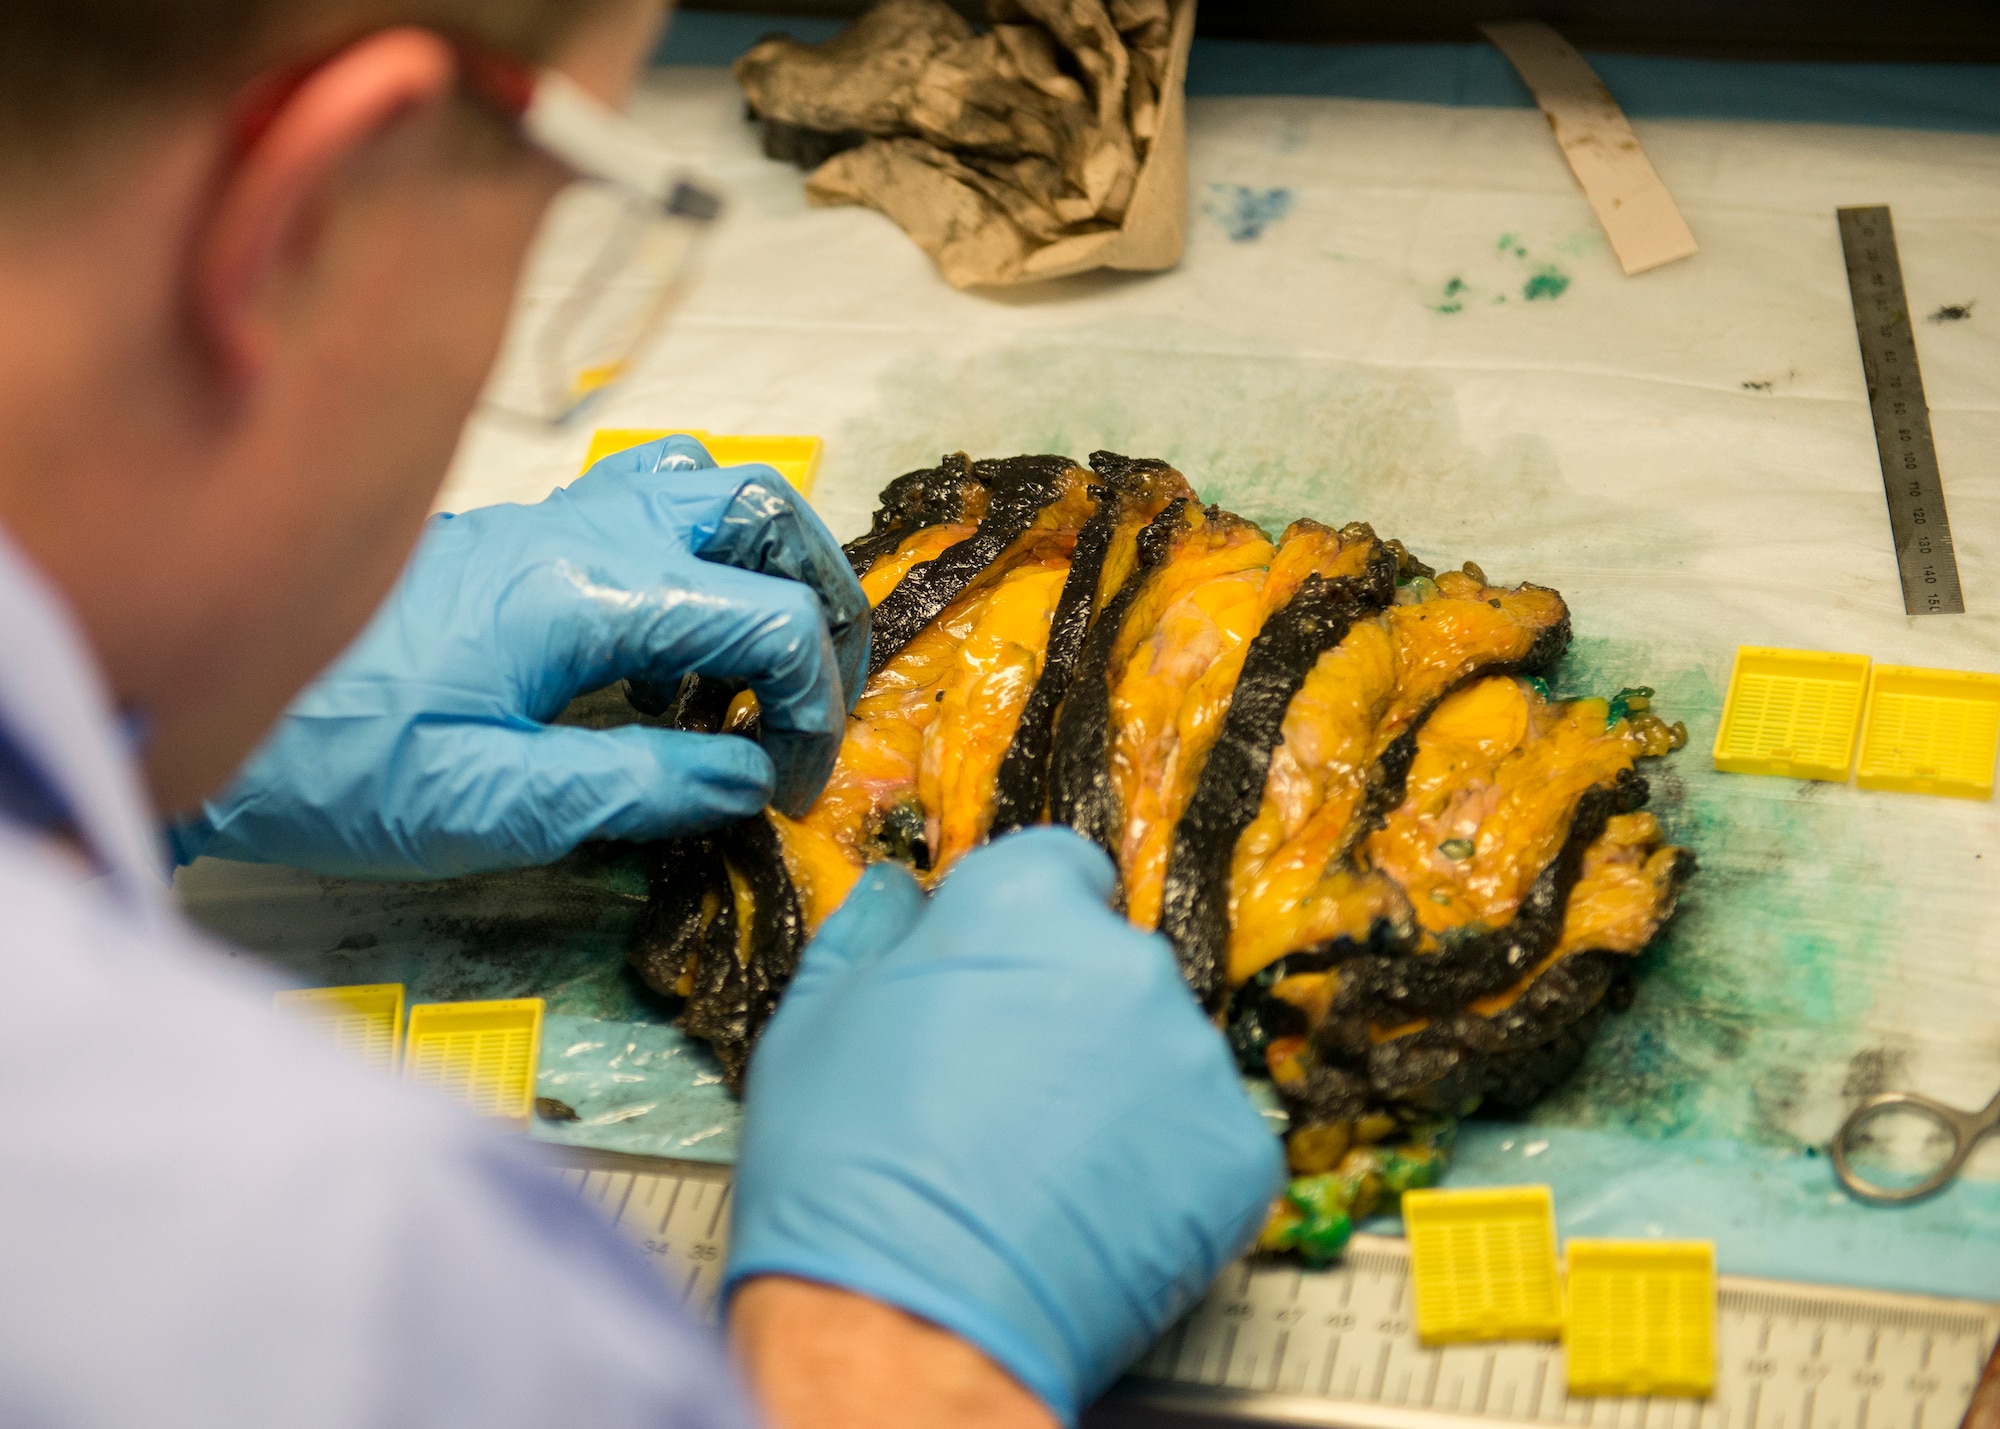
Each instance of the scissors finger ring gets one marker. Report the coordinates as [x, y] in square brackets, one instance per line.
[1961, 1127]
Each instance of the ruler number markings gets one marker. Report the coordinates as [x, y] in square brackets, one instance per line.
[1919, 526]
[1786, 1359]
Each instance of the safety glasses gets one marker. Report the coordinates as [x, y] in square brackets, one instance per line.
[615, 252]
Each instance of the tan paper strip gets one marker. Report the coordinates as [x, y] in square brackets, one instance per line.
[1635, 208]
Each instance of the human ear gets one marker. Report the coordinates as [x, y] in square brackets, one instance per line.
[265, 217]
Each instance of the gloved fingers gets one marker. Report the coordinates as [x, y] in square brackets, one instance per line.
[767, 527]
[746, 516]
[492, 796]
[1048, 871]
[767, 632]
[713, 620]
[1038, 900]
[675, 453]
[876, 915]
[682, 782]
[801, 763]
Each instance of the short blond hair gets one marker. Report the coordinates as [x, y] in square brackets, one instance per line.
[70, 67]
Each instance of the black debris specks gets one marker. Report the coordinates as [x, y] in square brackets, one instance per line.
[1874, 1070]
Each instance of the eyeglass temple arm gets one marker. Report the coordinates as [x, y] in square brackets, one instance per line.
[595, 140]
[568, 122]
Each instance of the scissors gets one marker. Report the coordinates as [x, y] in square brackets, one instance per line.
[1964, 1128]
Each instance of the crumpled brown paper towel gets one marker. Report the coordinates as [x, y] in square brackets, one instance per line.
[1050, 144]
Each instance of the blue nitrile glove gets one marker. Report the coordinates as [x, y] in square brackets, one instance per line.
[1001, 1111]
[425, 751]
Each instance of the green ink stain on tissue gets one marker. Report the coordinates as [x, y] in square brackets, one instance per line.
[1547, 281]
[1452, 298]
[1509, 245]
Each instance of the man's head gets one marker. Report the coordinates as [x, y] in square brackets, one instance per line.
[256, 257]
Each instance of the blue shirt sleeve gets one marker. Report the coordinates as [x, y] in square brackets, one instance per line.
[208, 1218]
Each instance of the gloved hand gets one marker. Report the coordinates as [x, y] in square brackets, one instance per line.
[1001, 1111]
[425, 750]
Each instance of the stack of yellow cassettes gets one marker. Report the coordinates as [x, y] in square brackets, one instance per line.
[482, 1053]
[1637, 1317]
[1796, 714]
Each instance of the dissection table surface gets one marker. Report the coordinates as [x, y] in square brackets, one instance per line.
[1405, 313]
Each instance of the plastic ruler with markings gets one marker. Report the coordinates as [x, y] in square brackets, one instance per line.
[1902, 417]
[1273, 1344]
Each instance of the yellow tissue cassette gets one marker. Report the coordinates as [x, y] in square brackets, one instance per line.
[1791, 713]
[1930, 732]
[795, 458]
[1483, 1263]
[1641, 1317]
[484, 1054]
[365, 1019]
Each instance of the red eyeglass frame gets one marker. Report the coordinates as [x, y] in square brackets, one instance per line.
[499, 80]
[553, 112]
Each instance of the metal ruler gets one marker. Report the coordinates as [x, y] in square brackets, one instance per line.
[1273, 1344]
[1902, 419]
